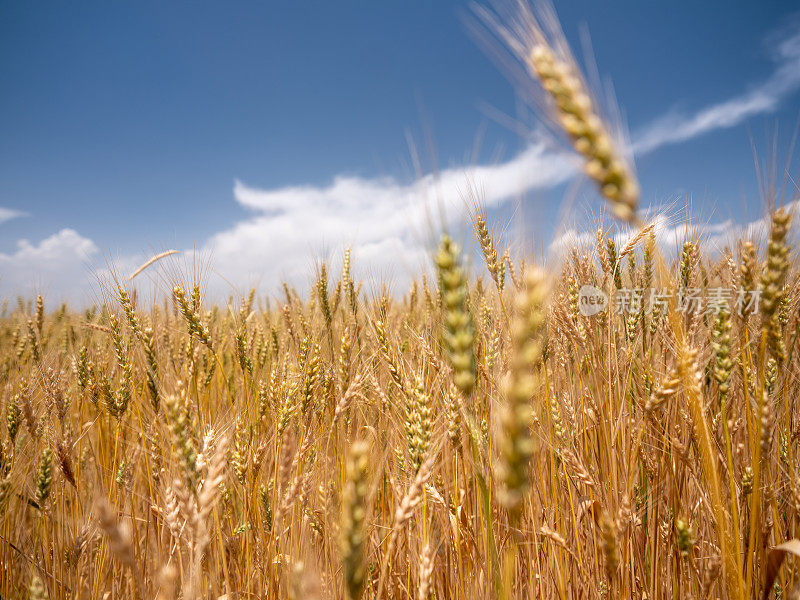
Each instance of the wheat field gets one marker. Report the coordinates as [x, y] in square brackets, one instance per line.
[622, 425]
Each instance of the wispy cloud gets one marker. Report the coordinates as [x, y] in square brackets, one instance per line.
[763, 97]
[6, 214]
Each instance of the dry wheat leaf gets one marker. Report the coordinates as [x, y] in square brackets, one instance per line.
[775, 558]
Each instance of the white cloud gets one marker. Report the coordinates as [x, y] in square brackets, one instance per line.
[383, 220]
[56, 266]
[761, 98]
[6, 214]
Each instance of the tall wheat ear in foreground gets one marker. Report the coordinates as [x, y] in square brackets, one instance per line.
[484, 437]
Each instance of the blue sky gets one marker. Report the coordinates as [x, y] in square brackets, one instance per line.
[127, 125]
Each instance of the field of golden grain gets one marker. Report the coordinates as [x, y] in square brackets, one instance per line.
[624, 425]
[476, 438]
